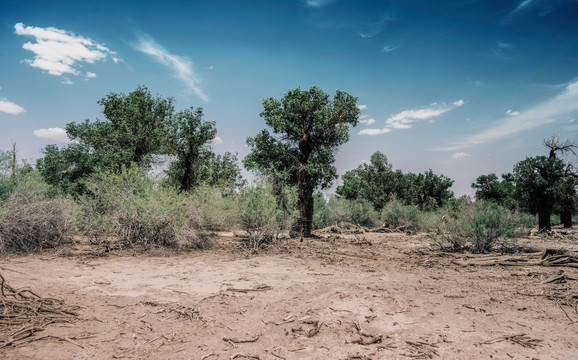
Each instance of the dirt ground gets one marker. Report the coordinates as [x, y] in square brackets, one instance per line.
[343, 296]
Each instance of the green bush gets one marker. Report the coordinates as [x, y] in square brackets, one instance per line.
[212, 210]
[32, 218]
[396, 214]
[480, 227]
[138, 211]
[261, 216]
[359, 212]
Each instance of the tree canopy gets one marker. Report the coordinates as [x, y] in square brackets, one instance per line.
[307, 127]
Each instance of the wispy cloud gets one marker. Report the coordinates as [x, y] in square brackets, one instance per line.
[318, 3]
[362, 107]
[182, 67]
[373, 29]
[504, 45]
[10, 107]
[512, 112]
[61, 52]
[389, 48]
[406, 118]
[55, 134]
[559, 107]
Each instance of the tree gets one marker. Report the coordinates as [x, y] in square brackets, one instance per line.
[490, 188]
[537, 182]
[188, 138]
[377, 183]
[374, 181]
[136, 128]
[308, 128]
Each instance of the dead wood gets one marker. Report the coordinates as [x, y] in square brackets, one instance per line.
[240, 341]
[421, 350]
[244, 356]
[258, 288]
[24, 313]
[520, 339]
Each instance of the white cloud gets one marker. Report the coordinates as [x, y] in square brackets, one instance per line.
[90, 75]
[367, 122]
[59, 51]
[460, 155]
[10, 107]
[211, 67]
[405, 119]
[559, 107]
[66, 81]
[504, 45]
[217, 140]
[318, 3]
[181, 66]
[512, 112]
[374, 131]
[56, 134]
[362, 107]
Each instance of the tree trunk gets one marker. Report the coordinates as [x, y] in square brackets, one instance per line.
[305, 204]
[544, 219]
[566, 218]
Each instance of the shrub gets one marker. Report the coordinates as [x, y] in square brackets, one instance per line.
[138, 211]
[261, 216]
[212, 210]
[395, 214]
[479, 227]
[32, 218]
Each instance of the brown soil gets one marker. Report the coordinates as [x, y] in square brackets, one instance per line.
[358, 296]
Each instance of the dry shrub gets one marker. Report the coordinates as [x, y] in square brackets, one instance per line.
[480, 227]
[137, 210]
[31, 219]
[212, 210]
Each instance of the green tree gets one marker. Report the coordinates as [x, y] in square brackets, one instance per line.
[308, 127]
[188, 140]
[490, 188]
[374, 181]
[136, 128]
[546, 182]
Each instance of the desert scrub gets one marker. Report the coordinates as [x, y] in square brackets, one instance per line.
[359, 212]
[261, 215]
[138, 211]
[395, 214]
[212, 209]
[34, 217]
[480, 227]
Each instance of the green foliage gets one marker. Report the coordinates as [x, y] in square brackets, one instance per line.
[260, 215]
[397, 214]
[308, 129]
[212, 209]
[132, 207]
[539, 185]
[32, 219]
[490, 188]
[480, 227]
[378, 183]
[359, 212]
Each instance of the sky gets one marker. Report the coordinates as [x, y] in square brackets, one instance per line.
[464, 88]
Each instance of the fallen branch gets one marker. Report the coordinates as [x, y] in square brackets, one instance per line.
[520, 339]
[240, 341]
[258, 288]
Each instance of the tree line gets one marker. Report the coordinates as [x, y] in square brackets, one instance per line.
[306, 127]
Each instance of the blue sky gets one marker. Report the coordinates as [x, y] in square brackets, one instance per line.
[462, 87]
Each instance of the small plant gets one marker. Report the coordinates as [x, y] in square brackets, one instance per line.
[396, 214]
[261, 216]
[480, 227]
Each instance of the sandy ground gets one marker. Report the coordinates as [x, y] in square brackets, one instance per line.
[365, 296]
